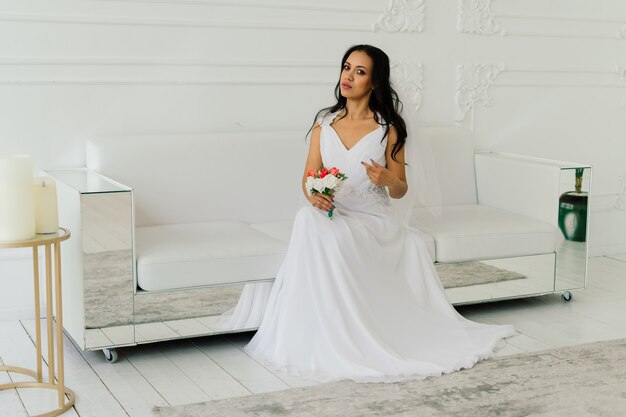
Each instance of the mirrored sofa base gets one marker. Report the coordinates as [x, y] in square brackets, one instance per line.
[167, 315]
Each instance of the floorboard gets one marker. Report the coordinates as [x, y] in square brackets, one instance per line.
[201, 369]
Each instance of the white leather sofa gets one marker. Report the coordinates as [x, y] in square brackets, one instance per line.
[493, 205]
[206, 206]
[214, 212]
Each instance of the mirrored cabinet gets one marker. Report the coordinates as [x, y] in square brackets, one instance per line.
[99, 285]
[559, 272]
[573, 221]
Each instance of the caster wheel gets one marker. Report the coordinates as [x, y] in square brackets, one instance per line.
[110, 355]
[566, 296]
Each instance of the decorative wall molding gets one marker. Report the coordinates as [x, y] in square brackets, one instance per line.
[149, 61]
[409, 77]
[305, 25]
[161, 72]
[164, 82]
[284, 5]
[475, 16]
[473, 82]
[560, 77]
[620, 199]
[622, 74]
[401, 16]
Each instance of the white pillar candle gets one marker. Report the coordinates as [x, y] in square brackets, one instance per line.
[46, 208]
[17, 208]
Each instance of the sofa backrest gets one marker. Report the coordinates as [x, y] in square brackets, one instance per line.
[247, 176]
[453, 153]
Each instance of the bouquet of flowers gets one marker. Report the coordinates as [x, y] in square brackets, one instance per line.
[324, 181]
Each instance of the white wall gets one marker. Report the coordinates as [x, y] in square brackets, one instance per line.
[16, 284]
[541, 77]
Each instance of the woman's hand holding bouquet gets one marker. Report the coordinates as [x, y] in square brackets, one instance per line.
[321, 185]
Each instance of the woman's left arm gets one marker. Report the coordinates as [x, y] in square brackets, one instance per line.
[393, 176]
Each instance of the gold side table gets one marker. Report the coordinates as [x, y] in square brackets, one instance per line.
[54, 343]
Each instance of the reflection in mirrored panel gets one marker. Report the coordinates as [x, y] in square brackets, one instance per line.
[200, 311]
[571, 260]
[104, 337]
[467, 282]
[108, 268]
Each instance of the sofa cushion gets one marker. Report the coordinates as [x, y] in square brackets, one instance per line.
[278, 230]
[469, 232]
[194, 254]
[282, 231]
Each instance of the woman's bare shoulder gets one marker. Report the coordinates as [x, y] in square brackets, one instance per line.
[392, 134]
[315, 132]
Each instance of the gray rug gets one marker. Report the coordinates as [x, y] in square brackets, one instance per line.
[584, 380]
[465, 274]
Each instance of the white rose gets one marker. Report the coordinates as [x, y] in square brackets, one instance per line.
[309, 185]
[318, 184]
[331, 182]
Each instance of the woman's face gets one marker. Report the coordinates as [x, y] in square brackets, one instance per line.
[356, 76]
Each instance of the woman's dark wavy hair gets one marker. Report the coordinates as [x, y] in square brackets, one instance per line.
[384, 100]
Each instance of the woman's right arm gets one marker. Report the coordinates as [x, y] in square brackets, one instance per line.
[314, 161]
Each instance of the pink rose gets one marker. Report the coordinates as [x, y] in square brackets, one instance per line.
[311, 173]
[334, 171]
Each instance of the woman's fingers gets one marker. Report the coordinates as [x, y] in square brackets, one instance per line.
[377, 173]
[326, 197]
[373, 171]
[322, 202]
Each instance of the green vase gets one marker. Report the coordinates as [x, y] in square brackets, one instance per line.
[573, 211]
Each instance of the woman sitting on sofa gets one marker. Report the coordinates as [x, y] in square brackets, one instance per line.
[357, 295]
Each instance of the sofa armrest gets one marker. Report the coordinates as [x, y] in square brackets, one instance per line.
[521, 184]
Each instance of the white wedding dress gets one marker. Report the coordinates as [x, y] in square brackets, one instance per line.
[357, 296]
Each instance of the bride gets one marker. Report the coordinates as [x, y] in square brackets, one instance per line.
[357, 296]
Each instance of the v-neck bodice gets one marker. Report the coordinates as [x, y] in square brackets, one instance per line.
[357, 190]
[364, 137]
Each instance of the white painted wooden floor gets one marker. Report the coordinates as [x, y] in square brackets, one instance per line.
[201, 369]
